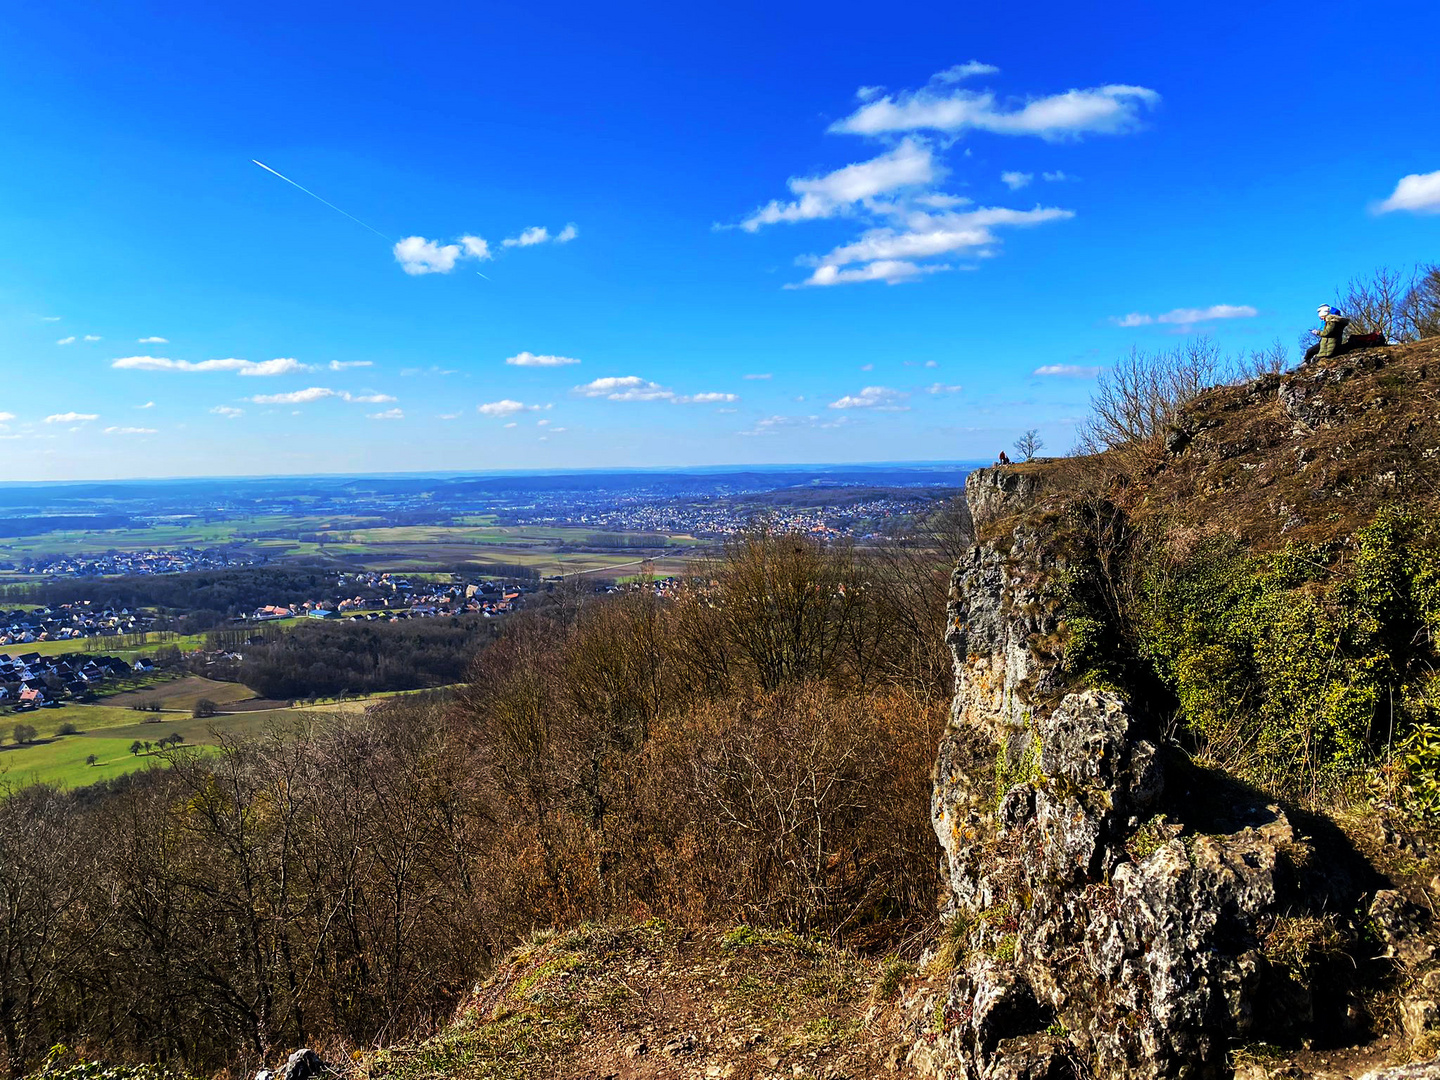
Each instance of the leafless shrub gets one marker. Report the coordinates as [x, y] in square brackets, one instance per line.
[1136, 400]
[1422, 303]
[1377, 304]
[1271, 360]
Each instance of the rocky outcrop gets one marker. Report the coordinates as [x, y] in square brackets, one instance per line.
[1114, 911]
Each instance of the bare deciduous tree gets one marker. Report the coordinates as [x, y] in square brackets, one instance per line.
[1029, 444]
[1136, 400]
[1422, 303]
[1377, 304]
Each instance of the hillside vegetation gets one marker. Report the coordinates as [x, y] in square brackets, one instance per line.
[716, 807]
[756, 749]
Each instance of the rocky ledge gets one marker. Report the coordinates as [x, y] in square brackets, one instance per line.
[1115, 910]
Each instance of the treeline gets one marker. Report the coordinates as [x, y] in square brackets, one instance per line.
[196, 600]
[324, 659]
[36, 526]
[758, 748]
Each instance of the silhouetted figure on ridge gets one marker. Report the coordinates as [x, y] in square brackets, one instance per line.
[1331, 334]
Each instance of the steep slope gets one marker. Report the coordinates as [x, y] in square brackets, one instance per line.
[654, 1001]
[1116, 909]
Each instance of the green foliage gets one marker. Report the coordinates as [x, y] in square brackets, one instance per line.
[60, 1065]
[1291, 671]
[892, 977]
[1420, 755]
[1150, 837]
[1019, 769]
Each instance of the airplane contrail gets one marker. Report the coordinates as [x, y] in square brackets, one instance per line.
[332, 206]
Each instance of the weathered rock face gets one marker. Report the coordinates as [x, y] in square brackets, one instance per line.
[1107, 918]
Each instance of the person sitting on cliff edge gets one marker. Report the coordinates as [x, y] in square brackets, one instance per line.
[1004, 459]
[1331, 335]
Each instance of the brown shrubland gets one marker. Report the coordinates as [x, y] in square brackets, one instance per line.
[756, 748]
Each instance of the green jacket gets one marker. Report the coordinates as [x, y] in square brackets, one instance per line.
[1332, 335]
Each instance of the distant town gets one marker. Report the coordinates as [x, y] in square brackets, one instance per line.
[175, 561]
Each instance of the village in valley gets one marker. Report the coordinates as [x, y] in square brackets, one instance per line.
[219, 608]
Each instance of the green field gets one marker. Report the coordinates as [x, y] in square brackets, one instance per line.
[62, 762]
[107, 730]
[357, 541]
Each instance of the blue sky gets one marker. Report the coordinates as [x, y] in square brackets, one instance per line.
[824, 233]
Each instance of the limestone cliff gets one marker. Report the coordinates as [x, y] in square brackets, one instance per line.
[1114, 910]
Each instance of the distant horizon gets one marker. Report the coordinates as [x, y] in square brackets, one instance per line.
[440, 474]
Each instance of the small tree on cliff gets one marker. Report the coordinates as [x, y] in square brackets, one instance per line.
[1029, 444]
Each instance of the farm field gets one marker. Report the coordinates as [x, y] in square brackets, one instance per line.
[128, 646]
[108, 733]
[348, 539]
[182, 694]
[123, 645]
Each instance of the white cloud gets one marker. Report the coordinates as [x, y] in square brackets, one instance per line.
[634, 388]
[6, 417]
[388, 414]
[449, 416]
[66, 340]
[625, 388]
[942, 388]
[281, 365]
[417, 255]
[537, 234]
[130, 431]
[152, 341]
[867, 367]
[570, 232]
[512, 424]
[227, 411]
[907, 221]
[890, 271]
[938, 234]
[1419, 193]
[296, 397]
[71, 418]
[147, 405]
[503, 407]
[764, 375]
[932, 363]
[92, 337]
[367, 399]
[1106, 110]
[874, 397]
[542, 423]
[346, 365]
[477, 247]
[910, 164]
[529, 359]
[1187, 316]
[1067, 371]
[960, 72]
[1056, 177]
[49, 318]
[773, 425]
